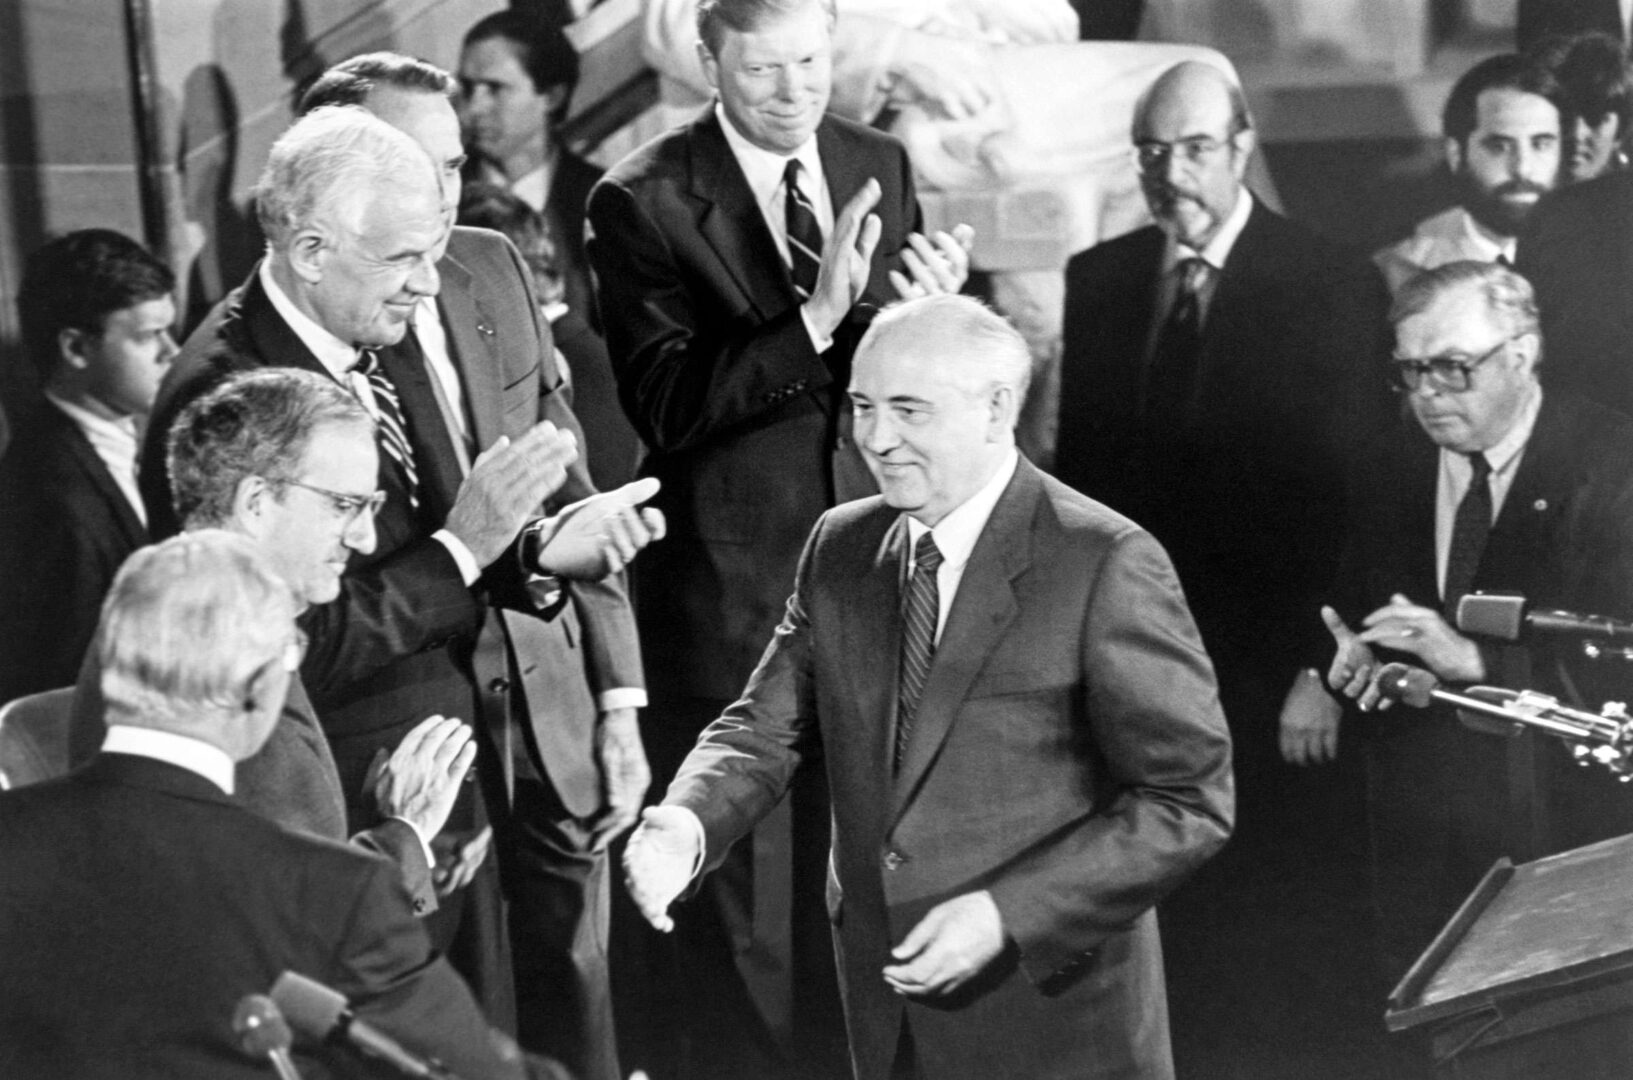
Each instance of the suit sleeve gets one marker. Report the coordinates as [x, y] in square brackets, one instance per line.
[385, 965]
[1152, 713]
[687, 368]
[396, 840]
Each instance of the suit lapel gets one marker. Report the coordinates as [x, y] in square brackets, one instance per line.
[1543, 484]
[732, 224]
[471, 344]
[269, 335]
[981, 614]
[84, 455]
[872, 646]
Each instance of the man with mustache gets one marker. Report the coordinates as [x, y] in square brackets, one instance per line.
[1503, 143]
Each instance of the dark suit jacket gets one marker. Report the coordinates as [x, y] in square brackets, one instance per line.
[406, 638]
[1446, 797]
[182, 904]
[1578, 254]
[739, 412]
[291, 780]
[1068, 755]
[1246, 491]
[65, 529]
[570, 186]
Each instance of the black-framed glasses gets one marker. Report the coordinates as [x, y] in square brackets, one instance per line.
[345, 504]
[1153, 155]
[1451, 373]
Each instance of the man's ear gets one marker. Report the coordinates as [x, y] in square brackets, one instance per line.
[711, 66]
[1003, 412]
[73, 348]
[307, 255]
[250, 502]
[1454, 155]
[1244, 143]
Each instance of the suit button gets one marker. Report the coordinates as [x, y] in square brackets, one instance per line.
[420, 905]
[894, 859]
[499, 685]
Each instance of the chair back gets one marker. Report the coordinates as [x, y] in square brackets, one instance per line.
[34, 737]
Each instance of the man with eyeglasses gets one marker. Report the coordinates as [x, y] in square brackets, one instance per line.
[288, 459]
[1489, 484]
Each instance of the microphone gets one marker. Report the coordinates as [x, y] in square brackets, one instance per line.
[1409, 685]
[1507, 617]
[325, 1015]
[263, 1032]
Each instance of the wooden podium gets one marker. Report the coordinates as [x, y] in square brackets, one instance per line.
[1533, 977]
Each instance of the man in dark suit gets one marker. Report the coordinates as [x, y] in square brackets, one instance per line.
[1491, 484]
[139, 906]
[96, 312]
[479, 441]
[516, 76]
[288, 459]
[732, 299]
[1218, 367]
[1578, 253]
[1017, 720]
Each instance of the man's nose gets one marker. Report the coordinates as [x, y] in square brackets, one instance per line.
[424, 280]
[360, 535]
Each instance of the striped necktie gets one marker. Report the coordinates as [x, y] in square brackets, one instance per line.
[919, 617]
[804, 234]
[389, 412]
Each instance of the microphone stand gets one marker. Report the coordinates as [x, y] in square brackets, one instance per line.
[263, 1032]
[1605, 738]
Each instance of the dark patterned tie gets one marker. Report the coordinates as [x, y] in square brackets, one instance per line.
[1171, 382]
[804, 234]
[919, 616]
[1470, 528]
[393, 429]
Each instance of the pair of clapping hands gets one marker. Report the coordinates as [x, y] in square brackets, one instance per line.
[1310, 716]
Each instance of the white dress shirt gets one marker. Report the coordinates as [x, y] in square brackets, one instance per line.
[1456, 472]
[114, 440]
[1215, 254]
[210, 762]
[956, 534]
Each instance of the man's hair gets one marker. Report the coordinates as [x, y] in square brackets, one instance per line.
[350, 82]
[256, 423]
[540, 47]
[1506, 71]
[489, 206]
[185, 625]
[715, 17]
[1593, 75]
[1507, 295]
[960, 326]
[76, 281]
[1241, 118]
[326, 164]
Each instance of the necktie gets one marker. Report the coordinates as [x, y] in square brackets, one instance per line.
[1172, 379]
[919, 617]
[389, 413]
[1470, 528]
[804, 234]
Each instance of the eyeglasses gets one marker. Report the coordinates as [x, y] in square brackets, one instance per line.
[1450, 373]
[1152, 155]
[346, 505]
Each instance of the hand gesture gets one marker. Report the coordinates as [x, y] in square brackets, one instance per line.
[1353, 663]
[421, 777]
[506, 484]
[599, 535]
[1309, 721]
[941, 267]
[954, 941]
[458, 860]
[659, 862]
[1424, 632]
[847, 260]
[624, 773]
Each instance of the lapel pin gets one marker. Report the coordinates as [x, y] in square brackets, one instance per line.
[484, 328]
[1540, 505]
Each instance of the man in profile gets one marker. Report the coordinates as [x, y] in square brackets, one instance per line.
[139, 906]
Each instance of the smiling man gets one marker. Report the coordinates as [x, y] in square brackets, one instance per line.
[1488, 484]
[1017, 720]
[1503, 149]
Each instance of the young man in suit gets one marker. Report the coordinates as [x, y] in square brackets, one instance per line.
[738, 259]
[1017, 720]
[96, 311]
[1491, 483]
[140, 906]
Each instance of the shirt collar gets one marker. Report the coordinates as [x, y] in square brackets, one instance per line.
[118, 430]
[210, 762]
[1502, 454]
[1218, 249]
[337, 357]
[762, 168]
[1488, 249]
[957, 533]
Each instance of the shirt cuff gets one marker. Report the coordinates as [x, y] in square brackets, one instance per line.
[468, 570]
[820, 342]
[621, 697]
[425, 841]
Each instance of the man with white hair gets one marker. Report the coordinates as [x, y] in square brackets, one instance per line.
[1018, 724]
[140, 907]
